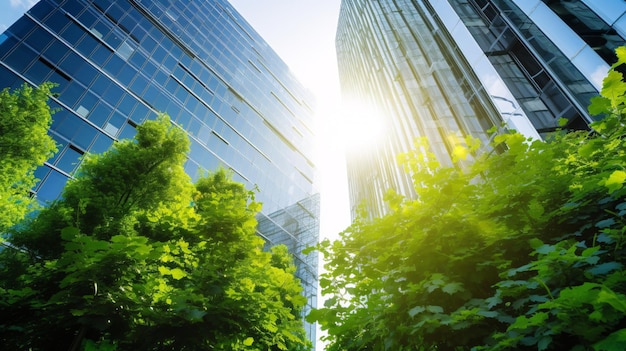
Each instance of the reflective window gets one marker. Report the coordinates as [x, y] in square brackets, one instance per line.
[51, 186]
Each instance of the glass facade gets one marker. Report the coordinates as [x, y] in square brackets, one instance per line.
[457, 67]
[120, 62]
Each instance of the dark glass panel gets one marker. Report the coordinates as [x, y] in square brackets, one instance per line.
[100, 114]
[101, 55]
[139, 85]
[41, 9]
[87, 45]
[38, 72]
[52, 186]
[56, 21]
[102, 144]
[69, 160]
[39, 39]
[128, 132]
[20, 58]
[22, 27]
[55, 52]
[84, 135]
[113, 94]
[127, 104]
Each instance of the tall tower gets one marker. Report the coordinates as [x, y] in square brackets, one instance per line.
[119, 62]
[444, 69]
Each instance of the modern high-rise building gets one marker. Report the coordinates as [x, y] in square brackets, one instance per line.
[120, 62]
[444, 69]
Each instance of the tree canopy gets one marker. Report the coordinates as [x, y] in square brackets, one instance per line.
[134, 256]
[522, 250]
[24, 145]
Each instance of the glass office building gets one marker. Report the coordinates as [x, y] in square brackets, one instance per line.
[119, 62]
[443, 69]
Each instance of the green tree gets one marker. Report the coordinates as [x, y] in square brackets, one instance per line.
[522, 250]
[136, 256]
[24, 145]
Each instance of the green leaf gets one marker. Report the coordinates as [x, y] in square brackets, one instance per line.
[248, 341]
[599, 105]
[452, 288]
[615, 180]
[178, 273]
[615, 341]
[605, 223]
[613, 87]
[434, 309]
[605, 268]
[544, 342]
[416, 310]
[535, 243]
[69, 233]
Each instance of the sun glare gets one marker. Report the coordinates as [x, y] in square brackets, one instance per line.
[362, 126]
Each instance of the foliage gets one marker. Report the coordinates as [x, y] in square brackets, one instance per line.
[522, 250]
[24, 145]
[136, 257]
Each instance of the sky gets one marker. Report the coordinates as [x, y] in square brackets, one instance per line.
[303, 35]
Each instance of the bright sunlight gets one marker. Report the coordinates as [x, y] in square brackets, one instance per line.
[362, 125]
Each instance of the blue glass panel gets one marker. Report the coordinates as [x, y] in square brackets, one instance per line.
[84, 135]
[72, 33]
[56, 21]
[114, 65]
[113, 94]
[87, 45]
[21, 27]
[148, 43]
[100, 114]
[55, 52]
[52, 186]
[126, 74]
[7, 77]
[40, 173]
[87, 19]
[71, 94]
[6, 43]
[62, 80]
[38, 72]
[73, 7]
[101, 85]
[139, 85]
[39, 39]
[102, 144]
[101, 55]
[69, 160]
[115, 12]
[67, 126]
[85, 74]
[192, 170]
[20, 58]
[41, 10]
[139, 115]
[127, 104]
[128, 132]
[138, 59]
[72, 63]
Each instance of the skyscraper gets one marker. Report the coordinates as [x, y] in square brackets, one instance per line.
[120, 62]
[443, 69]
